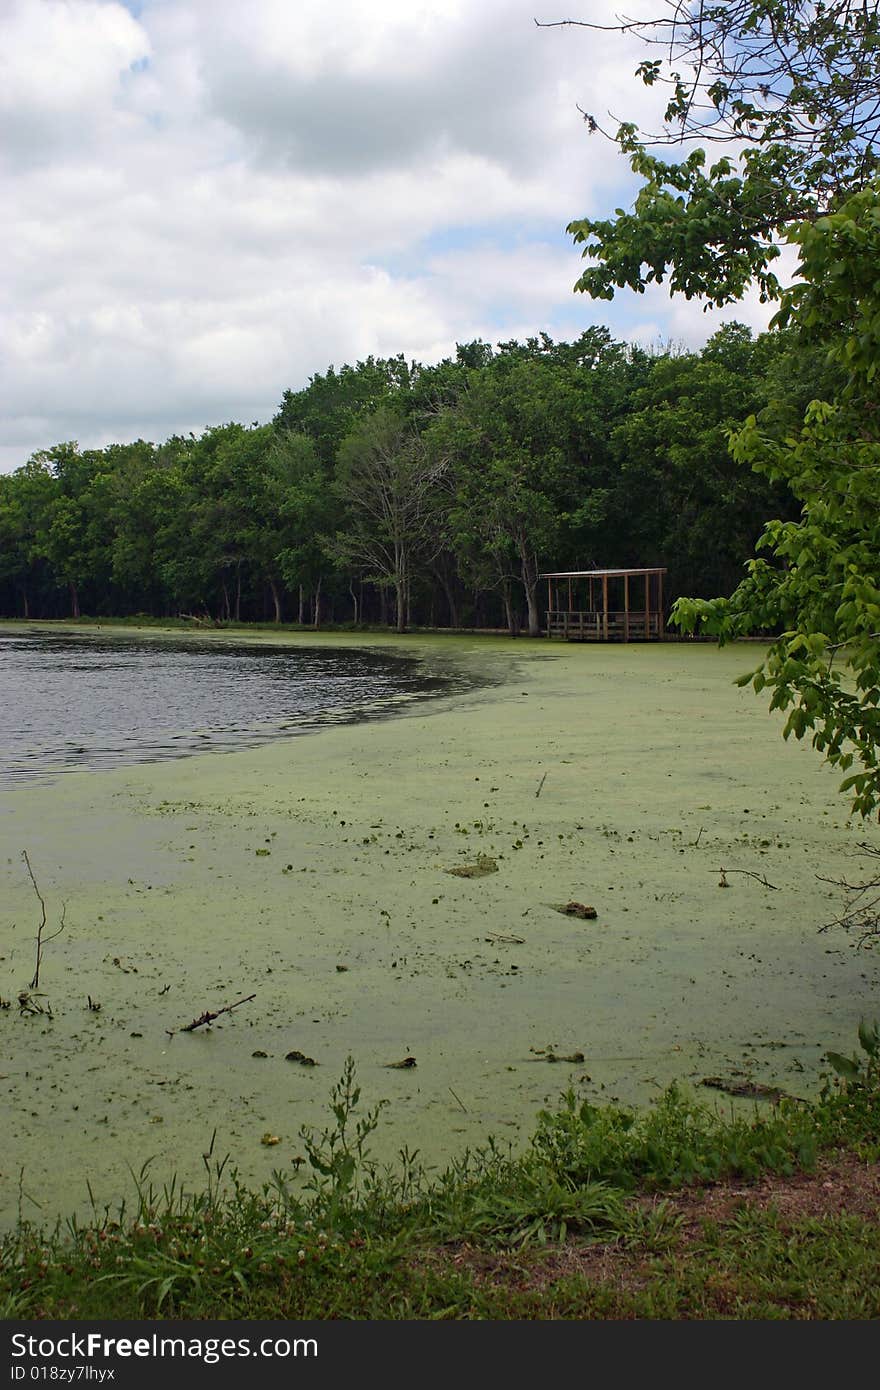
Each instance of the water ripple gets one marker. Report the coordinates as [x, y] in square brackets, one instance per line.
[73, 702]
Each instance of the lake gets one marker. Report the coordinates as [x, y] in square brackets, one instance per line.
[81, 701]
[320, 879]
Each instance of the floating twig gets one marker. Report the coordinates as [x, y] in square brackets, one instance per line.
[506, 940]
[208, 1016]
[759, 878]
[459, 1099]
[541, 786]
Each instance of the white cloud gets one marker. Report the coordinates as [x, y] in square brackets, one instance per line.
[208, 201]
[63, 66]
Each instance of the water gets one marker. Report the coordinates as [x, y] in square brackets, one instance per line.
[72, 702]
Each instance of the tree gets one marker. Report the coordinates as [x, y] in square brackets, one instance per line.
[388, 483]
[26, 497]
[74, 532]
[682, 500]
[510, 443]
[328, 407]
[295, 506]
[820, 582]
[795, 84]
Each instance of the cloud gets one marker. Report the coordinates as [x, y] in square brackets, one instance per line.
[208, 202]
[63, 67]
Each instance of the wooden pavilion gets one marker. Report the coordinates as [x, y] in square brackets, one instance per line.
[618, 605]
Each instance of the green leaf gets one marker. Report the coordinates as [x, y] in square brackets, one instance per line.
[844, 1066]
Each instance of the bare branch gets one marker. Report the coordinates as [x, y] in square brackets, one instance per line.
[759, 878]
[41, 939]
[208, 1016]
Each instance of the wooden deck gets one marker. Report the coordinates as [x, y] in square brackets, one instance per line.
[580, 625]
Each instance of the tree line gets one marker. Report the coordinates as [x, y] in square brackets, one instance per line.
[395, 493]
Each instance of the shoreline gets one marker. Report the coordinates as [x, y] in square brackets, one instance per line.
[620, 777]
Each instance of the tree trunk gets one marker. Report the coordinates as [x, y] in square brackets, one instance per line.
[74, 600]
[530, 584]
[450, 597]
[238, 592]
[510, 614]
[316, 617]
[301, 614]
[400, 590]
[276, 599]
[355, 602]
[226, 609]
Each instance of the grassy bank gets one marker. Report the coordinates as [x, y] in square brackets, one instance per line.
[673, 1212]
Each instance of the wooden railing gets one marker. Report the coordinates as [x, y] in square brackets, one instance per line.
[617, 626]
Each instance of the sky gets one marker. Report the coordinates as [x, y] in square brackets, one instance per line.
[207, 201]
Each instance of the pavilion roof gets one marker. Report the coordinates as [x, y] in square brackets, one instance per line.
[599, 574]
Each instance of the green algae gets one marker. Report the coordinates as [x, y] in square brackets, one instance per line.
[622, 777]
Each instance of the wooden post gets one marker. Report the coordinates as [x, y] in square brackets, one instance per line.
[660, 621]
[569, 596]
[647, 605]
[549, 607]
[626, 608]
[605, 606]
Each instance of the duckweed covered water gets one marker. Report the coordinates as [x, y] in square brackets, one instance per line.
[313, 873]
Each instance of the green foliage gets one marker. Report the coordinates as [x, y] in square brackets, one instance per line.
[819, 582]
[791, 84]
[799, 84]
[496, 1200]
[390, 487]
[521, 440]
[850, 1106]
[327, 409]
[707, 231]
[681, 497]
[339, 1156]
[458, 482]
[677, 1141]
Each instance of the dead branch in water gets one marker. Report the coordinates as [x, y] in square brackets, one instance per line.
[759, 878]
[208, 1016]
[862, 910]
[41, 939]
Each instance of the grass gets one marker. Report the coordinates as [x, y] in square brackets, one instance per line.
[675, 1212]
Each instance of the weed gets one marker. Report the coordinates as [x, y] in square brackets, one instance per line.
[357, 1240]
[677, 1141]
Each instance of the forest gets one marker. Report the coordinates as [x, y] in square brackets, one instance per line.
[399, 494]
